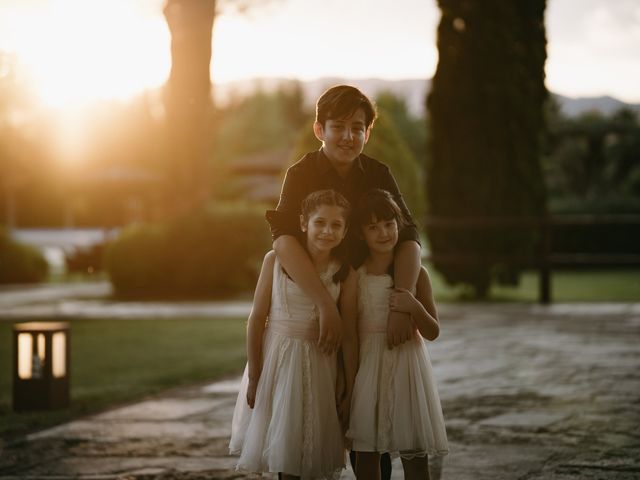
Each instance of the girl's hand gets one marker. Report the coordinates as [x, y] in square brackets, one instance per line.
[251, 393]
[344, 412]
[402, 301]
[341, 387]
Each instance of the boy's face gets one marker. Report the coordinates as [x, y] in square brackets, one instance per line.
[343, 139]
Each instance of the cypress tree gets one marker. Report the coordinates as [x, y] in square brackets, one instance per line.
[486, 123]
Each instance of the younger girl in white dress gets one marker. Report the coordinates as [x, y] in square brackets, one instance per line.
[286, 419]
[395, 406]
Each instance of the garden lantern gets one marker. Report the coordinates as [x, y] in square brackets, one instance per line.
[41, 365]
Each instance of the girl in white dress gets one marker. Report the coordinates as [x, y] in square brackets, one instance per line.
[286, 416]
[395, 406]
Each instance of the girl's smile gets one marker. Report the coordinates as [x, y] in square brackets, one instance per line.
[325, 228]
[381, 235]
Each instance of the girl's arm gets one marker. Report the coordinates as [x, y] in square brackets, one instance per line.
[406, 272]
[349, 314]
[422, 307]
[256, 325]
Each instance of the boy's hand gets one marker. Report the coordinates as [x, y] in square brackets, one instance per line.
[330, 329]
[399, 328]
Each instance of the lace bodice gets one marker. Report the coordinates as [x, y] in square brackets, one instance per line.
[373, 301]
[292, 312]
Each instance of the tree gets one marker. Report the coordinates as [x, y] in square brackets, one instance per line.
[189, 106]
[593, 163]
[260, 123]
[17, 150]
[486, 122]
[411, 128]
[189, 109]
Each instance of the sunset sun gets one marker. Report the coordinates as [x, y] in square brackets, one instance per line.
[75, 52]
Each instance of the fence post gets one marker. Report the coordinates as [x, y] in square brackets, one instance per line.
[545, 264]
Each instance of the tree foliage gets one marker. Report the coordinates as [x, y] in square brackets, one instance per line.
[592, 162]
[486, 122]
[410, 127]
[262, 122]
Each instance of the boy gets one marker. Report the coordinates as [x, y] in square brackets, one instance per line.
[344, 117]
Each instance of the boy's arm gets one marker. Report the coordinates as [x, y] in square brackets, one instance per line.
[285, 228]
[299, 267]
[410, 230]
[400, 327]
[256, 325]
[422, 307]
[349, 313]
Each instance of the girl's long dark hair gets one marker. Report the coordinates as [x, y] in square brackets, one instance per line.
[375, 205]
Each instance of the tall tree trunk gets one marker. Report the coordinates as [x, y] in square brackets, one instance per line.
[188, 100]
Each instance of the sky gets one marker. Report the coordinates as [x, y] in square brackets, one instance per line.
[76, 51]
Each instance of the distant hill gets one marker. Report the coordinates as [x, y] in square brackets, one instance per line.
[414, 91]
[605, 105]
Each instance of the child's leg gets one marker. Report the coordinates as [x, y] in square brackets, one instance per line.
[368, 465]
[385, 466]
[284, 476]
[416, 469]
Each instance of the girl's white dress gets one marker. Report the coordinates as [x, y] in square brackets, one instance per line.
[395, 405]
[293, 427]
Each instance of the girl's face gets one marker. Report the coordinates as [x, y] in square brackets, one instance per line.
[381, 235]
[325, 228]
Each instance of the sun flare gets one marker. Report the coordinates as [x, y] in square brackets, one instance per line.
[78, 51]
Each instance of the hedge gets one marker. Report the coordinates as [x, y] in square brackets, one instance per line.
[20, 263]
[213, 252]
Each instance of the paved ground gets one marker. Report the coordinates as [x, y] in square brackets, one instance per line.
[528, 392]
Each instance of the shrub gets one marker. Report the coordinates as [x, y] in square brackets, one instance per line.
[137, 261]
[86, 259]
[212, 252]
[20, 263]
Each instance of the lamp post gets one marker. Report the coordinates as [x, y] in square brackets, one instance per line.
[41, 365]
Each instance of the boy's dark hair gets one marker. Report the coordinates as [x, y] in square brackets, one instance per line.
[377, 204]
[342, 101]
[329, 197]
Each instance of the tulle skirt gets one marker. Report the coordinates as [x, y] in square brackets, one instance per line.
[293, 427]
[396, 406]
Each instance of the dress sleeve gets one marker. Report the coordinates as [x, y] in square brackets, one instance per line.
[410, 230]
[284, 220]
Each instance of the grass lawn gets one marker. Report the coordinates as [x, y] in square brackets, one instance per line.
[115, 361]
[566, 286]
